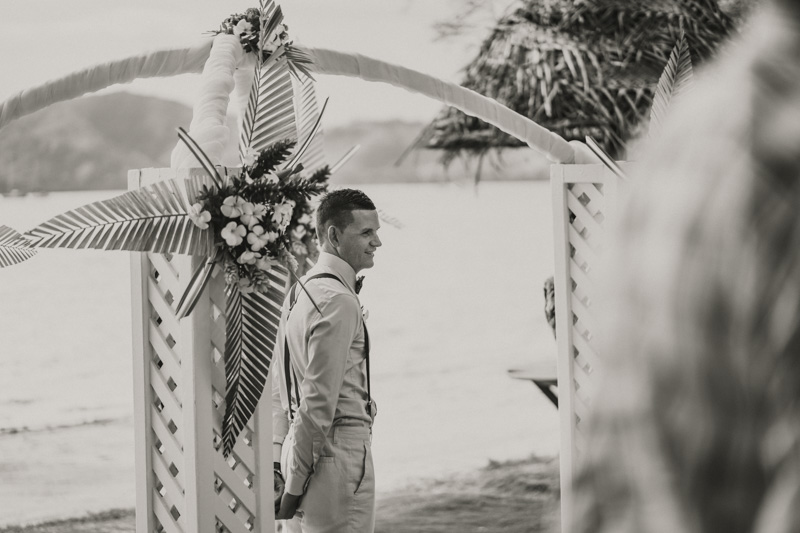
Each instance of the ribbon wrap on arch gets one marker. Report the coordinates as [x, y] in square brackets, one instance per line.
[161, 63]
[165, 63]
[549, 144]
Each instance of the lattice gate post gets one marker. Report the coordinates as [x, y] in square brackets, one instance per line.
[183, 482]
[584, 208]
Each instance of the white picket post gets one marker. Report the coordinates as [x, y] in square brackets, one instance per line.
[183, 483]
[585, 199]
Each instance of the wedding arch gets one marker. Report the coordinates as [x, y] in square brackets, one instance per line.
[203, 337]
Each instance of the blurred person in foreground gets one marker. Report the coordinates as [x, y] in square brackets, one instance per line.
[322, 405]
[697, 425]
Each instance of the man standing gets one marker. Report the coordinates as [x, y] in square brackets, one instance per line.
[321, 400]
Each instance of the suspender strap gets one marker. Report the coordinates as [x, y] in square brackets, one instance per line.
[287, 363]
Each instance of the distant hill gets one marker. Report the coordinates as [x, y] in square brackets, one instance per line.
[91, 142]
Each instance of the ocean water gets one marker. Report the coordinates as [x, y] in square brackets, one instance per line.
[455, 300]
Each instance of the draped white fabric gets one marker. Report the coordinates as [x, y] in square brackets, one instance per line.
[549, 144]
[208, 127]
[161, 63]
[220, 82]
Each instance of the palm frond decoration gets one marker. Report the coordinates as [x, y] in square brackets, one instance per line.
[311, 136]
[14, 248]
[197, 284]
[674, 81]
[269, 116]
[252, 327]
[151, 219]
[201, 156]
[307, 113]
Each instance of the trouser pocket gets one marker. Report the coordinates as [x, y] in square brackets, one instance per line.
[367, 474]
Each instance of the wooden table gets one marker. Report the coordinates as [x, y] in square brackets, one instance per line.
[543, 374]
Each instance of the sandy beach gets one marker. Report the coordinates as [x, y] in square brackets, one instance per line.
[513, 497]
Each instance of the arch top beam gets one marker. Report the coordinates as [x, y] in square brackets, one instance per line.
[165, 63]
[548, 143]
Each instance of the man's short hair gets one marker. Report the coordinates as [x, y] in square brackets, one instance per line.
[337, 208]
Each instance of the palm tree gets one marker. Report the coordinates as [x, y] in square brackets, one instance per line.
[579, 67]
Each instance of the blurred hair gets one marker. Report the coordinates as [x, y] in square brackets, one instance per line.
[696, 427]
[336, 208]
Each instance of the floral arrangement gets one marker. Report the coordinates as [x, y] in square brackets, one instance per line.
[254, 222]
[261, 217]
[263, 33]
[247, 26]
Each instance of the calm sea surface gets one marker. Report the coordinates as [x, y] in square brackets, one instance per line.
[455, 300]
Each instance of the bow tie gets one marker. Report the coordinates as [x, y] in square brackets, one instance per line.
[359, 283]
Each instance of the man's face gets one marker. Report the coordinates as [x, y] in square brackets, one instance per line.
[358, 241]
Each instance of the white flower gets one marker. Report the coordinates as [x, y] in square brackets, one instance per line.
[199, 216]
[245, 286]
[283, 215]
[248, 214]
[265, 263]
[250, 156]
[305, 219]
[257, 238]
[242, 27]
[233, 233]
[231, 206]
[259, 210]
[298, 233]
[247, 258]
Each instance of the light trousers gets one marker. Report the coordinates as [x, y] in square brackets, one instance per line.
[340, 494]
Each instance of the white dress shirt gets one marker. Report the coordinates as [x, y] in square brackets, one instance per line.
[327, 355]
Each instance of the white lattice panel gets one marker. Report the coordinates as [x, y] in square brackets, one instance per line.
[184, 485]
[584, 204]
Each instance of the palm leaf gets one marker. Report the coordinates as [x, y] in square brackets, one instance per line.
[150, 219]
[674, 81]
[201, 156]
[345, 158]
[197, 284]
[251, 329]
[269, 116]
[14, 248]
[606, 159]
[307, 115]
[297, 159]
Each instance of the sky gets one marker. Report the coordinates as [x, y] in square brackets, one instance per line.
[44, 39]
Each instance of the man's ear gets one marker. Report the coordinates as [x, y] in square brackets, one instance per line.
[333, 235]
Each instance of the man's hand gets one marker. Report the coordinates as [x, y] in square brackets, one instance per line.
[279, 487]
[289, 504]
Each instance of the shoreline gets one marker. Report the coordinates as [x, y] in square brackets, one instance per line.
[513, 496]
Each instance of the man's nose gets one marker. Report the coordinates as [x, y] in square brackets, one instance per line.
[377, 242]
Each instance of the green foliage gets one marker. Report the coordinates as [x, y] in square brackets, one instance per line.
[579, 68]
[272, 156]
[674, 81]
